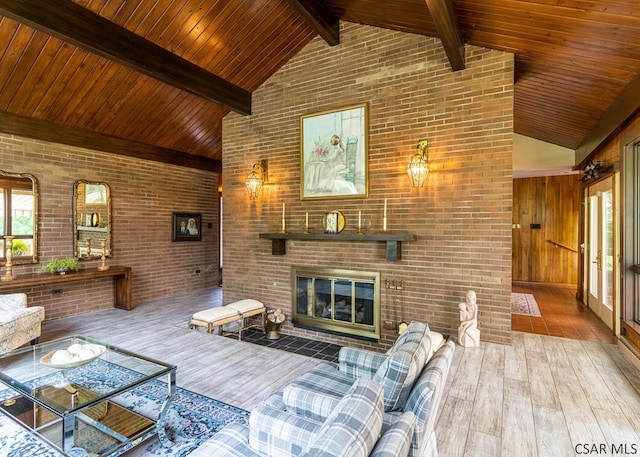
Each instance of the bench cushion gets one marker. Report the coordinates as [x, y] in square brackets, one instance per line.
[215, 314]
[246, 305]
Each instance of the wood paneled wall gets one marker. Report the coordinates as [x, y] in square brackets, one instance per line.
[549, 253]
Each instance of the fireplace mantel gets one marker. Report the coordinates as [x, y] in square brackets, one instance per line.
[393, 240]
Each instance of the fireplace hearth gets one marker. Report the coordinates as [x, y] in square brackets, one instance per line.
[344, 302]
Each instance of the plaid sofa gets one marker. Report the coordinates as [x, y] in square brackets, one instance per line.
[351, 430]
[19, 324]
[316, 393]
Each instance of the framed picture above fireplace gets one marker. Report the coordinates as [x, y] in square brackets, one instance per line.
[333, 154]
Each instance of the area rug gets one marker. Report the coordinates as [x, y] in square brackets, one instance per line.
[524, 304]
[191, 420]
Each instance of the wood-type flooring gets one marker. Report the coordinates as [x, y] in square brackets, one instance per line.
[541, 396]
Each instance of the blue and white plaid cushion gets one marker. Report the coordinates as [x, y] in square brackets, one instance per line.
[359, 363]
[354, 427]
[415, 331]
[316, 393]
[399, 371]
[396, 440]
[277, 432]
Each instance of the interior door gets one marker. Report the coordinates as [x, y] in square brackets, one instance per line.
[601, 251]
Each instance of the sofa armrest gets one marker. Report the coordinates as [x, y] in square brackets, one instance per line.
[309, 403]
[359, 363]
[275, 432]
[10, 302]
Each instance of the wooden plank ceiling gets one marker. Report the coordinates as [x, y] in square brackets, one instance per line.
[153, 79]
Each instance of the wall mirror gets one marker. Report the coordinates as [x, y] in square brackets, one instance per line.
[92, 220]
[19, 217]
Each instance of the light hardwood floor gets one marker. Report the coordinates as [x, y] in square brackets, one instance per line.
[541, 396]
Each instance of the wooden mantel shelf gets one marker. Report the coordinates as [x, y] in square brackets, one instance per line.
[121, 279]
[393, 240]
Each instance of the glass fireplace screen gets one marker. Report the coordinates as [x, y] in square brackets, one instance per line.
[338, 301]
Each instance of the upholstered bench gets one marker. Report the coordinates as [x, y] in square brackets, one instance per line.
[236, 313]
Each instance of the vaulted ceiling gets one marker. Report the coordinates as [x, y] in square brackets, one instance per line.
[154, 79]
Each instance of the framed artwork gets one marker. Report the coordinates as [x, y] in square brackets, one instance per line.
[95, 194]
[187, 227]
[333, 154]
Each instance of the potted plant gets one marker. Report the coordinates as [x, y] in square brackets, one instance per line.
[61, 266]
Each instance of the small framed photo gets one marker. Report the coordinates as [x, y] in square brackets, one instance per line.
[187, 227]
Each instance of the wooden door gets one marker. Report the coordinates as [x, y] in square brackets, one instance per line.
[546, 212]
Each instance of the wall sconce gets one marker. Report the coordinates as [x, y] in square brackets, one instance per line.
[258, 176]
[417, 168]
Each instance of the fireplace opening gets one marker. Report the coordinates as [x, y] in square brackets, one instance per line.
[344, 302]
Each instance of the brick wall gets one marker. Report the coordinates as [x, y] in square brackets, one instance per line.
[462, 216]
[144, 194]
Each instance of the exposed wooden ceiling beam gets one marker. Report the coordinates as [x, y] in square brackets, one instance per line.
[622, 109]
[87, 30]
[318, 16]
[444, 17]
[48, 131]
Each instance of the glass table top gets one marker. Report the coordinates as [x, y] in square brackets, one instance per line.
[78, 367]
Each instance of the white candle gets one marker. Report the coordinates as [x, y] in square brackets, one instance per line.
[384, 217]
[306, 221]
[359, 219]
[283, 223]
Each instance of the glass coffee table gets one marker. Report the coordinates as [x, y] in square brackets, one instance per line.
[67, 391]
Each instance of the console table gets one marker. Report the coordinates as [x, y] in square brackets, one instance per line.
[121, 281]
[392, 240]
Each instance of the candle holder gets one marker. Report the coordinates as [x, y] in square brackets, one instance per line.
[103, 259]
[8, 255]
[89, 248]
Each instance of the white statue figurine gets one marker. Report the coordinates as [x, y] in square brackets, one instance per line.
[468, 333]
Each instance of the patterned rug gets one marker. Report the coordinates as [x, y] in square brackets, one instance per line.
[524, 304]
[191, 420]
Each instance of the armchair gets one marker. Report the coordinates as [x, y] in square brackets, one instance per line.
[19, 324]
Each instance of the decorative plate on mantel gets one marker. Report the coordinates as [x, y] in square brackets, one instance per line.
[333, 222]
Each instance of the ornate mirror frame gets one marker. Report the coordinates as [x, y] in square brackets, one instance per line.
[91, 220]
[17, 181]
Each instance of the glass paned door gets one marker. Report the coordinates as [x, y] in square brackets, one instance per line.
[601, 249]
